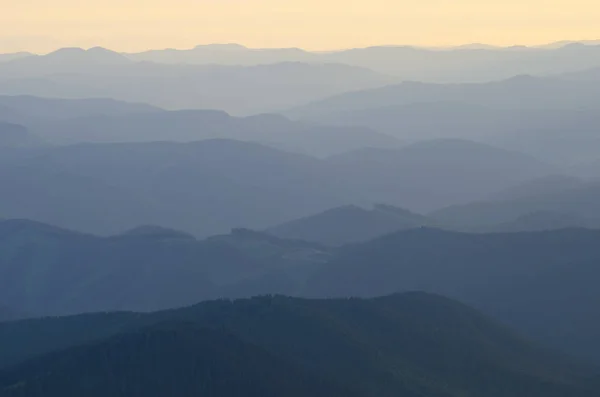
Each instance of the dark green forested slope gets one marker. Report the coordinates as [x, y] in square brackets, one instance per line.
[411, 344]
[177, 359]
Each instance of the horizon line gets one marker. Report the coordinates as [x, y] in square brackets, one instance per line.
[467, 46]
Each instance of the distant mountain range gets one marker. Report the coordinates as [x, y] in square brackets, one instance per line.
[63, 121]
[245, 81]
[549, 203]
[469, 63]
[273, 346]
[540, 283]
[211, 186]
[328, 186]
[525, 113]
[75, 73]
[540, 132]
[522, 92]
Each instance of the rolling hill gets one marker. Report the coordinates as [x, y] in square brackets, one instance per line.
[425, 175]
[379, 347]
[205, 187]
[194, 125]
[578, 200]
[557, 135]
[349, 224]
[45, 270]
[467, 63]
[520, 92]
[165, 360]
[541, 283]
[209, 187]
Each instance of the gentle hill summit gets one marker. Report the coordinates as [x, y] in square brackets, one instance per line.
[96, 55]
[349, 224]
[225, 54]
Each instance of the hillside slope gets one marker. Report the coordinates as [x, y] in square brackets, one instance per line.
[381, 347]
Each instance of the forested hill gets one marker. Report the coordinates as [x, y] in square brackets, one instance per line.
[413, 344]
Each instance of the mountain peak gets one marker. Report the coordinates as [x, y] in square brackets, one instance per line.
[66, 51]
[92, 55]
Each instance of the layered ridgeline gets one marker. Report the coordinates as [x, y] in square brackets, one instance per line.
[349, 224]
[409, 344]
[471, 62]
[423, 176]
[546, 203]
[205, 187]
[211, 186]
[97, 72]
[540, 132]
[533, 93]
[529, 114]
[69, 121]
[541, 283]
[46, 270]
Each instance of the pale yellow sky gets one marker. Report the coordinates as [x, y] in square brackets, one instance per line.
[134, 25]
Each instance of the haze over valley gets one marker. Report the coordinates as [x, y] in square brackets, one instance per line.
[230, 220]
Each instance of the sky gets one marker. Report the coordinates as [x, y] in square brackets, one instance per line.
[135, 25]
